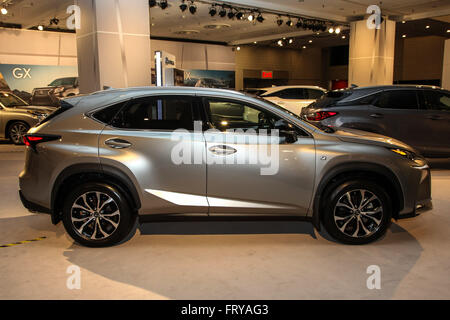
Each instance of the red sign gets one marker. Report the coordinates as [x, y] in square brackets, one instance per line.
[267, 74]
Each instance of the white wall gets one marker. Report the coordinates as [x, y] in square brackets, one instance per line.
[37, 47]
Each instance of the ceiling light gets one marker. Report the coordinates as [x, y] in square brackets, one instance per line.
[231, 14]
[40, 27]
[291, 40]
[192, 8]
[4, 10]
[338, 30]
[250, 17]
[222, 12]
[255, 42]
[54, 21]
[403, 21]
[152, 3]
[404, 36]
[238, 48]
[427, 27]
[299, 23]
[343, 37]
[212, 11]
[183, 6]
[310, 41]
[260, 18]
[289, 23]
[163, 4]
[280, 43]
[331, 30]
[304, 47]
[448, 30]
[239, 15]
[279, 21]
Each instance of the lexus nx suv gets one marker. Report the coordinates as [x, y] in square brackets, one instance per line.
[103, 160]
[17, 117]
[417, 115]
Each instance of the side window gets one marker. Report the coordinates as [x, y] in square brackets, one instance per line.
[234, 115]
[398, 99]
[437, 100]
[291, 93]
[315, 94]
[367, 100]
[107, 114]
[161, 113]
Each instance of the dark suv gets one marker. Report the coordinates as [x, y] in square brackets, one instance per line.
[417, 115]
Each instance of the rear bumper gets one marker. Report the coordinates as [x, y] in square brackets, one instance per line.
[31, 206]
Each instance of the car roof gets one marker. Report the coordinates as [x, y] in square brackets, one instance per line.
[278, 88]
[397, 86]
[171, 89]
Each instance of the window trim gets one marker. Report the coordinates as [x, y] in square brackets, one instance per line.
[394, 90]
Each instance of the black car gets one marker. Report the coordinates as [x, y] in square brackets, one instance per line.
[417, 115]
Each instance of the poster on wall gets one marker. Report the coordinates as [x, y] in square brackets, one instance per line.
[209, 79]
[28, 81]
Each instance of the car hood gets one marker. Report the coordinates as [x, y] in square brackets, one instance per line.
[359, 136]
[40, 109]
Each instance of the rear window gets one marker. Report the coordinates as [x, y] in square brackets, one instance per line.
[107, 114]
[63, 106]
[330, 98]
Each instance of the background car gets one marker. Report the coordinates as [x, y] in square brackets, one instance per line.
[103, 160]
[57, 89]
[17, 117]
[292, 98]
[417, 115]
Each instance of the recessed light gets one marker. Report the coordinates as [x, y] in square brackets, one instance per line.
[427, 27]
[238, 48]
[404, 36]
[448, 30]
[310, 41]
[304, 47]
[403, 21]
[343, 37]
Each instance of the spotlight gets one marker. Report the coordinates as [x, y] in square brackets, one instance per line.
[40, 27]
[289, 23]
[299, 23]
[239, 15]
[250, 17]
[238, 48]
[163, 4]
[4, 10]
[231, 14]
[323, 28]
[212, 11]
[310, 24]
[152, 3]
[291, 40]
[54, 21]
[279, 21]
[192, 8]
[280, 43]
[222, 12]
[260, 18]
[316, 26]
[331, 30]
[183, 6]
[338, 30]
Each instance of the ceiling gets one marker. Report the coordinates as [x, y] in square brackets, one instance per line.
[202, 27]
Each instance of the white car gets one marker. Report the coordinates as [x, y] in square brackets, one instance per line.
[292, 98]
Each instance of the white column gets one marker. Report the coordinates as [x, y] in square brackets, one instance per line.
[113, 44]
[446, 66]
[371, 57]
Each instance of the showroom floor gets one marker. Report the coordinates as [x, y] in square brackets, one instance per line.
[235, 260]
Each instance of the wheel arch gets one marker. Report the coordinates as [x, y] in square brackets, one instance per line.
[10, 122]
[375, 172]
[82, 173]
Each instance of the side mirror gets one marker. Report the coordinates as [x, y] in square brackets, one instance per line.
[287, 131]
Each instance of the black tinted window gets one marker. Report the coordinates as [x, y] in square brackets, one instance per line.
[398, 99]
[292, 93]
[164, 113]
[437, 100]
[234, 115]
[314, 94]
[107, 114]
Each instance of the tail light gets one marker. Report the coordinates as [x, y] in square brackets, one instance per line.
[32, 140]
[320, 115]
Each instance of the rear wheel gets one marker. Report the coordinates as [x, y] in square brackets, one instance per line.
[357, 212]
[16, 131]
[97, 215]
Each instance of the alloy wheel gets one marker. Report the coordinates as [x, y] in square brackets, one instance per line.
[358, 213]
[95, 215]
[17, 132]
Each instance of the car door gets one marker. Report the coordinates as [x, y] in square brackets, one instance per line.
[148, 140]
[251, 176]
[396, 113]
[435, 114]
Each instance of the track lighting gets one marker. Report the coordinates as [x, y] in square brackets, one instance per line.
[331, 30]
[163, 4]
[337, 30]
[183, 6]
[260, 18]
[231, 14]
[192, 8]
[222, 12]
[152, 3]
[212, 11]
[279, 21]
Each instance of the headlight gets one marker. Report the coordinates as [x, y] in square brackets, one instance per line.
[40, 116]
[405, 153]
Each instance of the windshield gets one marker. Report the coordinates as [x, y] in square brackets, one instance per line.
[8, 100]
[63, 82]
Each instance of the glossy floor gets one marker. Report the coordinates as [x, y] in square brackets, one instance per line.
[222, 260]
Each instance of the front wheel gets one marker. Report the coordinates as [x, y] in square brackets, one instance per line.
[357, 212]
[16, 132]
[97, 215]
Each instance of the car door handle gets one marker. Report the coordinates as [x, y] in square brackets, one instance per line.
[434, 117]
[222, 150]
[118, 143]
[376, 115]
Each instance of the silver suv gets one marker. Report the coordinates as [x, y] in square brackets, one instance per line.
[103, 160]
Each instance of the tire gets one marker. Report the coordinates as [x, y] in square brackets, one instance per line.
[357, 211]
[93, 228]
[16, 131]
